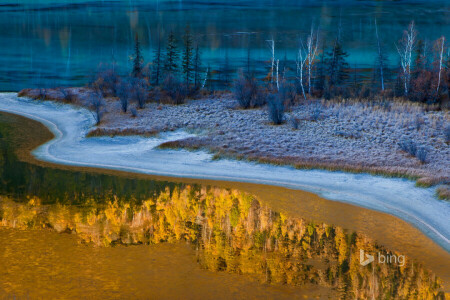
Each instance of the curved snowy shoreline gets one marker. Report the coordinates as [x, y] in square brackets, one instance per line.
[70, 146]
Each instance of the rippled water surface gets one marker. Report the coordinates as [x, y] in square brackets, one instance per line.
[48, 43]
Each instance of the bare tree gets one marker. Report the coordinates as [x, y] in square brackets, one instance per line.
[272, 60]
[380, 56]
[97, 103]
[312, 42]
[300, 62]
[441, 55]
[307, 55]
[277, 76]
[405, 48]
[206, 77]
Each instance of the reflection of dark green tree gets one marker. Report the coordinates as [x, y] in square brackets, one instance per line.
[20, 179]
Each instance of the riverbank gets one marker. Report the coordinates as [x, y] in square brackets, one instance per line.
[70, 147]
[332, 135]
[387, 230]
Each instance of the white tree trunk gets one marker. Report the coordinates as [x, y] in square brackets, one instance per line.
[300, 65]
[441, 55]
[272, 60]
[206, 76]
[311, 48]
[405, 50]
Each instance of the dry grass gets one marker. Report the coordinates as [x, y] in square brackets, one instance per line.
[443, 192]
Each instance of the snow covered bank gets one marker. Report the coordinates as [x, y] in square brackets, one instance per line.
[70, 125]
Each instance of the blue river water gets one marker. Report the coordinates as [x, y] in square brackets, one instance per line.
[62, 43]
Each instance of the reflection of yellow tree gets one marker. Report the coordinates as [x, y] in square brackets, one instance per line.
[233, 232]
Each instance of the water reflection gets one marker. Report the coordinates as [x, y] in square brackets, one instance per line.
[233, 232]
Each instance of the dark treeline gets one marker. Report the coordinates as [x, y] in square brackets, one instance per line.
[320, 70]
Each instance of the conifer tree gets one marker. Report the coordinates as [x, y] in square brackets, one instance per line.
[197, 66]
[337, 64]
[171, 58]
[157, 62]
[188, 53]
[138, 59]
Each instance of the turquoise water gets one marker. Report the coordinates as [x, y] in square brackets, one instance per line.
[61, 43]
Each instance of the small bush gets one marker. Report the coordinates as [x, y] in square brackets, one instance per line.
[418, 122]
[123, 93]
[107, 81]
[316, 112]
[421, 154]
[68, 95]
[139, 88]
[349, 134]
[247, 92]
[287, 93]
[447, 133]
[42, 94]
[276, 109]
[295, 123]
[133, 112]
[365, 92]
[96, 100]
[175, 90]
[408, 146]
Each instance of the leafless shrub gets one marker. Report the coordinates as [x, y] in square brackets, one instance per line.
[422, 154]
[133, 112]
[68, 95]
[408, 146]
[418, 122]
[447, 133]
[247, 92]
[175, 90]
[139, 89]
[316, 112]
[97, 104]
[107, 81]
[349, 134]
[276, 109]
[124, 93]
[287, 93]
[295, 123]
[42, 94]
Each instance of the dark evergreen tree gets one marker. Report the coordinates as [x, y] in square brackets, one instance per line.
[157, 62]
[197, 66]
[337, 65]
[138, 60]
[420, 62]
[209, 79]
[171, 59]
[188, 55]
[249, 62]
[226, 69]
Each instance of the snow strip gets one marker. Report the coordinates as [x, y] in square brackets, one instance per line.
[396, 196]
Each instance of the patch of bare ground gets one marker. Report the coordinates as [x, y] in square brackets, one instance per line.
[354, 136]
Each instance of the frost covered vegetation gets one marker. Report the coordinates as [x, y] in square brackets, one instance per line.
[397, 123]
[234, 232]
